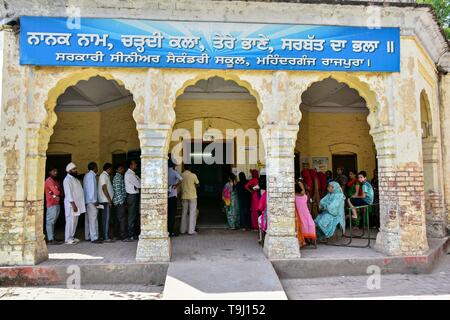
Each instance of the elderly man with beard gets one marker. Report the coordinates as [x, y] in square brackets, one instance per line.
[74, 204]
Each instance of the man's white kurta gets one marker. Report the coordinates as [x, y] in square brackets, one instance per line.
[73, 191]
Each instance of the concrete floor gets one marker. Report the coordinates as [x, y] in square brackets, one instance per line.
[225, 264]
[221, 264]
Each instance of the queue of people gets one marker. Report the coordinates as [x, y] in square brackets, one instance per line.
[110, 204]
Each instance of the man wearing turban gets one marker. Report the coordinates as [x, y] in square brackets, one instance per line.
[74, 203]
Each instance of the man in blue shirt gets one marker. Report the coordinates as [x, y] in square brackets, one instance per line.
[120, 206]
[366, 198]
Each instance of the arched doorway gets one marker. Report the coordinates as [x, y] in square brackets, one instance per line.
[217, 132]
[334, 133]
[94, 124]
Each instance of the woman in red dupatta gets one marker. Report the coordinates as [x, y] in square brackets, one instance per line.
[250, 186]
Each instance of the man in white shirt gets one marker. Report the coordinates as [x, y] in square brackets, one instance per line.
[74, 203]
[105, 195]
[91, 197]
[132, 187]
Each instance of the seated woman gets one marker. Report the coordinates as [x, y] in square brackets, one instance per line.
[353, 186]
[332, 206]
[306, 229]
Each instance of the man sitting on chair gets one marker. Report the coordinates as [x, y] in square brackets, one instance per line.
[364, 199]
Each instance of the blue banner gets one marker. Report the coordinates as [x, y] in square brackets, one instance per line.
[121, 43]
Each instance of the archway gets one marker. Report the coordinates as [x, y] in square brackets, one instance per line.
[91, 121]
[217, 132]
[335, 133]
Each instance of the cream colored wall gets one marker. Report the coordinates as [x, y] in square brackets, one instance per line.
[94, 136]
[119, 133]
[77, 133]
[218, 114]
[321, 133]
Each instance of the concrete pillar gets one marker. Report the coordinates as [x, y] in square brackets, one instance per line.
[444, 111]
[436, 217]
[401, 181]
[281, 241]
[154, 242]
[21, 214]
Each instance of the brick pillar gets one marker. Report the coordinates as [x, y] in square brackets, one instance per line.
[281, 241]
[22, 161]
[402, 219]
[154, 242]
[436, 216]
[445, 136]
[35, 248]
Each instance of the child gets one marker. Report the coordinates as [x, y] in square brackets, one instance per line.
[364, 199]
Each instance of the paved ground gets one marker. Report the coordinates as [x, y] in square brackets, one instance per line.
[98, 292]
[205, 255]
[87, 253]
[220, 264]
[397, 286]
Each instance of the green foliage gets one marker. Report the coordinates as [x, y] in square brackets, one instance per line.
[442, 9]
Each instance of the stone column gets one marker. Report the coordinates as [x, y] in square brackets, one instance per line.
[436, 216]
[281, 241]
[402, 219]
[445, 136]
[21, 199]
[154, 242]
[35, 248]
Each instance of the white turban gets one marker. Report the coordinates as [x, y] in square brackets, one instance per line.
[70, 166]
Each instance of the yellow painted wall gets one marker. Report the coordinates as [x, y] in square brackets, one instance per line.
[94, 136]
[320, 131]
[218, 114]
[77, 133]
[118, 133]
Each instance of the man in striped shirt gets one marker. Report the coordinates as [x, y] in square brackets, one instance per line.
[119, 202]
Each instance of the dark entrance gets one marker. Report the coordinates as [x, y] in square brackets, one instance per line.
[348, 161]
[212, 174]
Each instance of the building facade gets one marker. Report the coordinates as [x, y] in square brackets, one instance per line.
[406, 119]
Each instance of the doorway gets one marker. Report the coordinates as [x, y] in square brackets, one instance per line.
[210, 161]
[348, 161]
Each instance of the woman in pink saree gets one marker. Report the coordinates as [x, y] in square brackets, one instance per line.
[253, 187]
[306, 228]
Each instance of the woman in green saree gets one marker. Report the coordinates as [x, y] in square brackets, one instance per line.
[333, 213]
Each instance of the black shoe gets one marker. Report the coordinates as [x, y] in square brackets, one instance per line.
[53, 242]
[97, 241]
[108, 240]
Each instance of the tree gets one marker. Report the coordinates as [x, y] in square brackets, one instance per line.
[442, 9]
